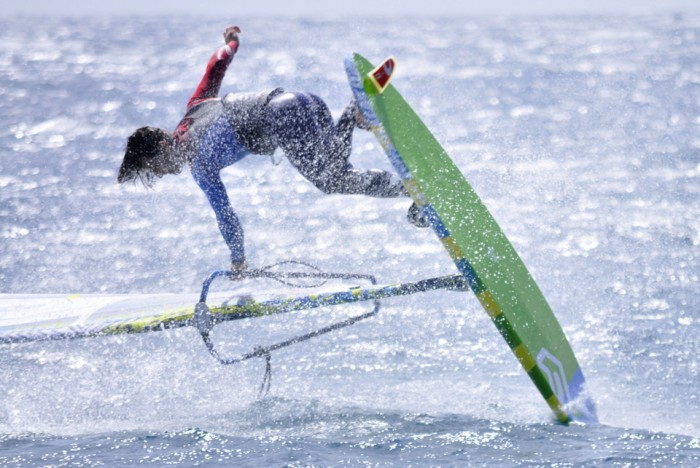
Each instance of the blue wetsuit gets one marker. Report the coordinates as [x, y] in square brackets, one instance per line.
[216, 133]
[219, 147]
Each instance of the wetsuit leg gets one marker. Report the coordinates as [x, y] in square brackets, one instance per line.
[302, 126]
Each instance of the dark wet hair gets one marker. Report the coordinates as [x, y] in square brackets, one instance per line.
[143, 145]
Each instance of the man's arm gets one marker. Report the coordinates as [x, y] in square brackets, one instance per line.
[216, 68]
[228, 222]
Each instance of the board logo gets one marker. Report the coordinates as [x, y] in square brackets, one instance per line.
[381, 75]
[553, 371]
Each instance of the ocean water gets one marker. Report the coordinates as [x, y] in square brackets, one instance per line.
[581, 135]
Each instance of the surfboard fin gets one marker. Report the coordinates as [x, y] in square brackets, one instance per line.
[381, 76]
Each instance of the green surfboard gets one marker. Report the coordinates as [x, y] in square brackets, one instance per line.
[474, 241]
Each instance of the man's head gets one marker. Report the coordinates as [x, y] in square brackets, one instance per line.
[148, 157]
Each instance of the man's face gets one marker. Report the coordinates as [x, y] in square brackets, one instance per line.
[165, 162]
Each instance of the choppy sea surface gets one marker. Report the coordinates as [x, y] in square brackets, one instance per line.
[581, 135]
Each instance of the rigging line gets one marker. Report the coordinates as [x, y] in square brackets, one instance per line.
[284, 276]
[281, 277]
[204, 322]
[263, 351]
[267, 379]
[266, 351]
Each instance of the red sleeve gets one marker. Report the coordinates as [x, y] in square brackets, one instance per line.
[213, 76]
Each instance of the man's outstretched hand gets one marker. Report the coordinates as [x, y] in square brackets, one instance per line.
[238, 270]
[231, 34]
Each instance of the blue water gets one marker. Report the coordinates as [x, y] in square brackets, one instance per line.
[581, 135]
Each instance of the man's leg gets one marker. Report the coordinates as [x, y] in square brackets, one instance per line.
[303, 127]
[344, 178]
